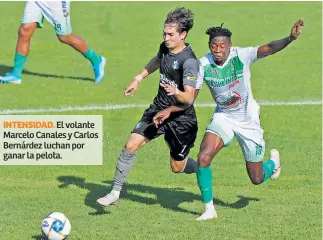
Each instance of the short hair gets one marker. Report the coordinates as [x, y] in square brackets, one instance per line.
[217, 32]
[183, 18]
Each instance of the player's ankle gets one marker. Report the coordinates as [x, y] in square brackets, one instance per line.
[209, 206]
[116, 193]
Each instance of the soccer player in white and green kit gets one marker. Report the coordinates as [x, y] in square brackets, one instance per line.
[226, 71]
[56, 13]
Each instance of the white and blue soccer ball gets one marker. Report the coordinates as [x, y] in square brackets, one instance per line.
[56, 226]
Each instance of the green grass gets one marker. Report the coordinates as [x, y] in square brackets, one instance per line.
[158, 204]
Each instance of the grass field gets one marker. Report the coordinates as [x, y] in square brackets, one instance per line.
[156, 203]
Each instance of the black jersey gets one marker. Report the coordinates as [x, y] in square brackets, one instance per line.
[176, 69]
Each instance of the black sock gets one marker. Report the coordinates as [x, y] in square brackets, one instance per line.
[191, 166]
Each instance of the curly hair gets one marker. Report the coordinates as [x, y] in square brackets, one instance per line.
[182, 17]
[218, 31]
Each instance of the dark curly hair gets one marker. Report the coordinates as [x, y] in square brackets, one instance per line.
[182, 17]
[218, 31]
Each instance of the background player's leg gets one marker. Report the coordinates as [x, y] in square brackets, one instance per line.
[25, 32]
[59, 15]
[31, 19]
[210, 146]
[124, 165]
[98, 62]
[80, 45]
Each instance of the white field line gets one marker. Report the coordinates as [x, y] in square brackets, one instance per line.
[128, 106]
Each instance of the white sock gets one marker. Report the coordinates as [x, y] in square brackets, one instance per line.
[209, 206]
[115, 193]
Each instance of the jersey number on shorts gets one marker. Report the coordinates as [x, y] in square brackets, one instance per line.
[182, 152]
[58, 26]
[258, 150]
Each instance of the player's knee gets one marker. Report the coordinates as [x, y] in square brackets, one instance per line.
[256, 180]
[25, 31]
[176, 169]
[204, 159]
[64, 39]
[177, 166]
[132, 146]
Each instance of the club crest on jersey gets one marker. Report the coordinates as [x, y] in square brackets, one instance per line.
[175, 65]
[212, 71]
[230, 99]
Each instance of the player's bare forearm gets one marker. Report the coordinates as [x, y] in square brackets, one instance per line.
[179, 108]
[274, 46]
[185, 97]
[161, 116]
[278, 45]
[182, 107]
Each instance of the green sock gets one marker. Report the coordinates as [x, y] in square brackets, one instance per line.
[92, 56]
[204, 180]
[268, 168]
[19, 63]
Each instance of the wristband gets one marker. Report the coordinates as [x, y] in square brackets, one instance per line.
[138, 78]
[291, 38]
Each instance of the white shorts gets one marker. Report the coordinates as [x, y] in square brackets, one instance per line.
[57, 13]
[249, 134]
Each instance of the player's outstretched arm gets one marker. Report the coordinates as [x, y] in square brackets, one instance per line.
[275, 46]
[151, 67]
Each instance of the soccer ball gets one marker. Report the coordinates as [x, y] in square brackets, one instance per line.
[56, 226]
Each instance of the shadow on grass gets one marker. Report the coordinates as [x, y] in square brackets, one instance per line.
[38, 237]
[5, 69]
[169, 198]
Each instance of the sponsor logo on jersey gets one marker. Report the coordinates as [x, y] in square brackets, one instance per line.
[165, 80]
[215, 82]
[234, 83]
[191, 78]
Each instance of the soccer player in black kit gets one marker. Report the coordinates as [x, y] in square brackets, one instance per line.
[172, 113]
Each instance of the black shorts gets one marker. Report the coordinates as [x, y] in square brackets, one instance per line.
[179, 135]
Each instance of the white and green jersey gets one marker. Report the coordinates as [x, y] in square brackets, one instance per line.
[230, 83]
